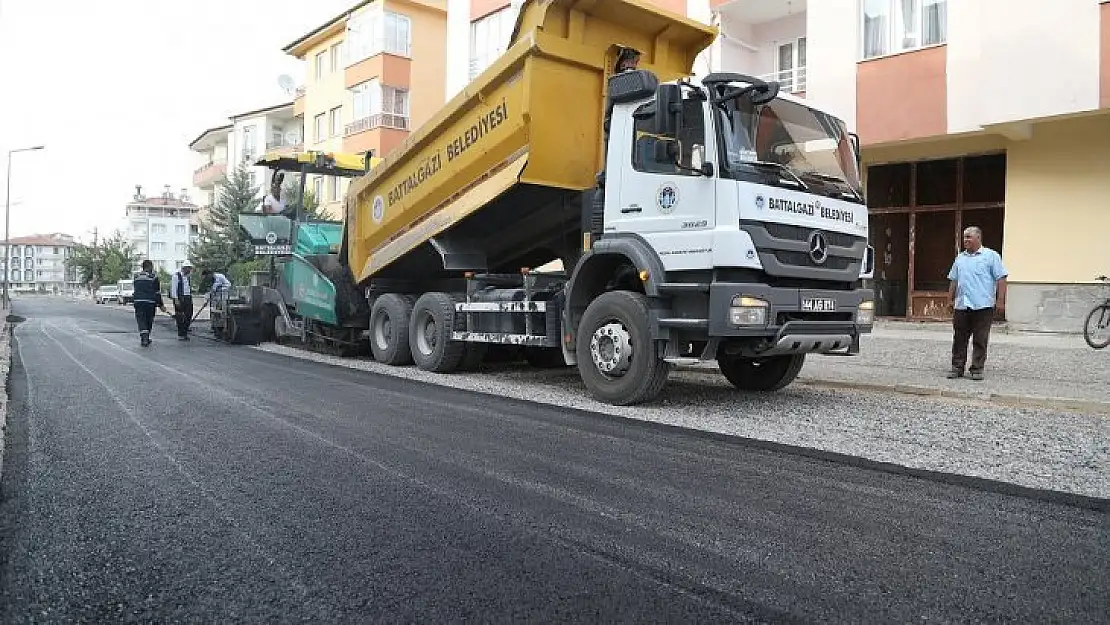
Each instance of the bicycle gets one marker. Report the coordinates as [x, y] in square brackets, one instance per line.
[1101, 313]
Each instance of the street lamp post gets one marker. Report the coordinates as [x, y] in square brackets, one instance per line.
[7, 220]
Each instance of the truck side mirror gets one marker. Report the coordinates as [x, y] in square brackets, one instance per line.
[668, 110]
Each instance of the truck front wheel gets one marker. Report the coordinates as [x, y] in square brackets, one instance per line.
[433, 321]
[616, 357]
[762, 375]
[389, 329]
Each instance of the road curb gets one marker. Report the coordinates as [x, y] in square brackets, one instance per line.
[5, 374]
[1016, 401]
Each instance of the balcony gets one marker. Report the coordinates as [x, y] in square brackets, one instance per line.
[379, 120]
[765, 38]
[284, 146]
[791, 80]
[205, 177]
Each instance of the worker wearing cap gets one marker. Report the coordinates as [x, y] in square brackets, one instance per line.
[182, 293]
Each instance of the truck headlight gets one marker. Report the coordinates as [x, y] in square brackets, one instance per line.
[748, 311]
[865, 314]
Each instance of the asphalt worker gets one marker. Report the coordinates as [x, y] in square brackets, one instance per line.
[148, 296]
[182, 293]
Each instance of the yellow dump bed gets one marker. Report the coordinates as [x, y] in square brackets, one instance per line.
[495, 165]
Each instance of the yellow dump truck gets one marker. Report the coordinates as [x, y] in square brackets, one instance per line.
[714, 221]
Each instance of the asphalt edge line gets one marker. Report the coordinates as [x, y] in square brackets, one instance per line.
[1089, 406]
[991, 485]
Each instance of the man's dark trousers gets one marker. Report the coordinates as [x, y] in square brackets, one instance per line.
[144, 315]
[184, 315]
[976, 325]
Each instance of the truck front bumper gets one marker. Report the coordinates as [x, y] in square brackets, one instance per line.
[757, 319]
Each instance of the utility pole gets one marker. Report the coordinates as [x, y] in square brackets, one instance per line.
[95, 260]
[7, 219]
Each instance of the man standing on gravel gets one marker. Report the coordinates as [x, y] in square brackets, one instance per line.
[977, 286]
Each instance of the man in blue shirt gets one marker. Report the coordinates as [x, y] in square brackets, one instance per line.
[977, 287]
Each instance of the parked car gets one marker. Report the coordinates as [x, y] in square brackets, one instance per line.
[107, 293]
[126, 291]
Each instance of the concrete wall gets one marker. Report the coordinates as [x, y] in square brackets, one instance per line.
[832, 42]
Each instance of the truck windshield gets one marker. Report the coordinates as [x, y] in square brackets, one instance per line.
[788, 144]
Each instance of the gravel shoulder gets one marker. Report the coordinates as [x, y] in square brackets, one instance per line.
[1036, 448]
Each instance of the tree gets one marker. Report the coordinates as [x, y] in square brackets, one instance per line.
[104, 262]
[290, 192]
[221, 243]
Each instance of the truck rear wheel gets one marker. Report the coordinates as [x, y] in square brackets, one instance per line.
[762, 375]
[433, 321]
[389, 329]
[616, 357]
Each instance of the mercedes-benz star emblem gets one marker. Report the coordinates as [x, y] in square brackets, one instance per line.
[818, 248]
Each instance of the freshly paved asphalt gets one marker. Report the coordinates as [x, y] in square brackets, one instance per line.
[202, 482]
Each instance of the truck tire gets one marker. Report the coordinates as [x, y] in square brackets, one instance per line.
[389, 329]
[433, 320]
[616, 354]
[762, 375]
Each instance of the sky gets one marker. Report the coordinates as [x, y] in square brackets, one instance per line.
[115, 91]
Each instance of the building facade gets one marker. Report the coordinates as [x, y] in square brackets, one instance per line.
[38, 264]
[211, 150]
[957, 131]
[373, 75]
[161, 228]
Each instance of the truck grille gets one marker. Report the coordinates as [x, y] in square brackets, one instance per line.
[784, 252]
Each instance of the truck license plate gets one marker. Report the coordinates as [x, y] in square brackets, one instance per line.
[818, 304]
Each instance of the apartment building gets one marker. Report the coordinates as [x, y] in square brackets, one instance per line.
[38, 264]
[959, 129]
[221, 149]
[373, 74]
[211, 150]
[161, 228]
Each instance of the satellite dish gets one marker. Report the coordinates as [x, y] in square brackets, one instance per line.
[285, 81]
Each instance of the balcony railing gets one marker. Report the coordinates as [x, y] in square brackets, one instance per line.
[379, 120]
[791, 80]
[282, 144]
[206, 175]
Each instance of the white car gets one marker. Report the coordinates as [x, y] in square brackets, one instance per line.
[126, 291]
[107, 293]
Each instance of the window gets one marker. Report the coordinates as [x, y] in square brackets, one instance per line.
[333, 188]
[489, 37]
[158, 247]
[179, 230]
[56, 252]
[249, 145]
[181, 249]
[791, 70]
[645, 142]
[321, 129]
[318, 188]
[891, 26]
[337, 56]
[319, 64]
[158, 229]
[336, 120]
[377, 31]
[375, 105]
